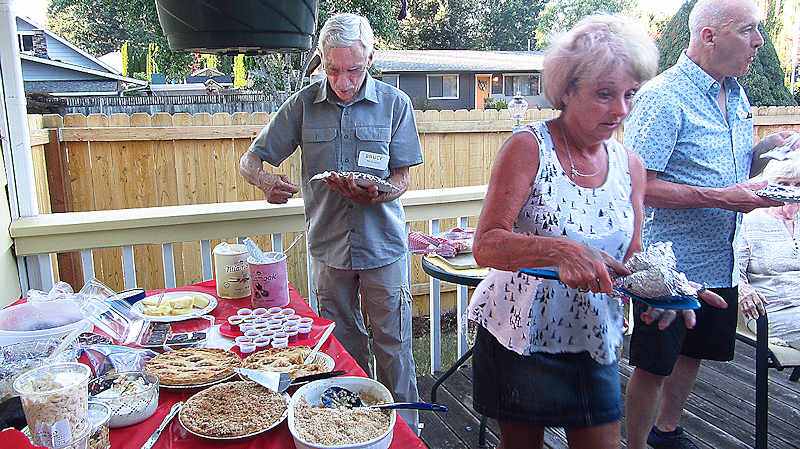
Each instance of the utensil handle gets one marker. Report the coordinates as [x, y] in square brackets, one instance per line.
[312, 377]
[412, 406]
[154, 437]
[322, 339]
[541, 273]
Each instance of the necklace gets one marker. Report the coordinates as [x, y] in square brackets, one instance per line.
[574, 171]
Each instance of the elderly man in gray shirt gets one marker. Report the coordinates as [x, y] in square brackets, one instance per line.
[350, 122]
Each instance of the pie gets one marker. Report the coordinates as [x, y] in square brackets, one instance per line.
[193, 366]
[286, 360]
[233, 409]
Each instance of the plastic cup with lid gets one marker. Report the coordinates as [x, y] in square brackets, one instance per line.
[55, 400]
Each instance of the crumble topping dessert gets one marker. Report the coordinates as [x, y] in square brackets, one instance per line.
[233, 409]
[341, 425]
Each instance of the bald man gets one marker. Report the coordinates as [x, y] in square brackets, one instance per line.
[693, 128]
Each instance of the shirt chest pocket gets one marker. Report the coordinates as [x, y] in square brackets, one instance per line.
[372, 150]
[319, 150]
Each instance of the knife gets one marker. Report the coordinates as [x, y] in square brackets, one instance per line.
[154, 437]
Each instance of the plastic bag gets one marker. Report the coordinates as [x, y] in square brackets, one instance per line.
[61, 290]
[106, 358]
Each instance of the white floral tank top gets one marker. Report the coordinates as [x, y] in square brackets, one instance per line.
[528, 314]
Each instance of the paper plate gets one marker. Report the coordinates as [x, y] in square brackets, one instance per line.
[138, 307]
[787, 194]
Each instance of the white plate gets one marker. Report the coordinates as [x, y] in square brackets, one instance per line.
[361, 179]
[237, 437]
[138, 307]
[329, 363]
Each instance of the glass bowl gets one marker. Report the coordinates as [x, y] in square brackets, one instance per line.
[132, 396]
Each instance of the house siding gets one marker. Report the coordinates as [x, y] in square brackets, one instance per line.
[57, 51]
[415, 85]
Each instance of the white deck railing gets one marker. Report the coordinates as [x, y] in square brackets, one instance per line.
[43, 235]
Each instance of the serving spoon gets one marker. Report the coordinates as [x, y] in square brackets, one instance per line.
[335, 396]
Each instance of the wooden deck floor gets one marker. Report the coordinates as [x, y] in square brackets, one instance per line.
[720, 412]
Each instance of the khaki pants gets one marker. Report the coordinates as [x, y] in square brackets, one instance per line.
[387, 302]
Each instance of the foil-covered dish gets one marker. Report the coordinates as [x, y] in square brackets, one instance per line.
[655, 275]
[361, 179]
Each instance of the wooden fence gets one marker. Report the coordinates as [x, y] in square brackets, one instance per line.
[100, 162]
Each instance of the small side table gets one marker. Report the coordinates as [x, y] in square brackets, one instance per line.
[440, 269]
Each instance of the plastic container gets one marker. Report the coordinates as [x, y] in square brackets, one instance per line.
[99, 415]
[17, 358]
[36, 320]
[246, 347]
[364, 386]
[230, 271]
[55, 401]
[128, 408]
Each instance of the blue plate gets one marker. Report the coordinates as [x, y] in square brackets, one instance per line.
[664, 302]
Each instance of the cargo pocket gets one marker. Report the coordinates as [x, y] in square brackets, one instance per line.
[374, 140]
[318, 150]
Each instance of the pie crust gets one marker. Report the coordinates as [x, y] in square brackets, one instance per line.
[193, 366]
[286, 360]
[233, 409]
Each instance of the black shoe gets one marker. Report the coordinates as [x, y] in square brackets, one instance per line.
[669, 440]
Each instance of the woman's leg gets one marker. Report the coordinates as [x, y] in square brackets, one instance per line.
[517, 435]
[605, 436]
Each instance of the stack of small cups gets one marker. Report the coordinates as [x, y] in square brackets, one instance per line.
[262, 328]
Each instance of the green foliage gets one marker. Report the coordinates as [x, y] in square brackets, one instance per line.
[424, 104]
[380, 13]
[124, 57]
[507, 24]
[764, 82]
[561, 15]
[492, 103]
[239, 72]
[439, 24]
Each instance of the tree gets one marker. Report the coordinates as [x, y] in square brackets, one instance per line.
[507, 24]
[440, 25]
[764, 82]
[561, 15]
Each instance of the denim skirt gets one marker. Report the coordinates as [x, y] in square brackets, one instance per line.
[548, 390]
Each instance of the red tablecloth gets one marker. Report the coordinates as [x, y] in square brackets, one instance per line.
[176, 437]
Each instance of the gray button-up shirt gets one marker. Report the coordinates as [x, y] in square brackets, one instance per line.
[374, 134]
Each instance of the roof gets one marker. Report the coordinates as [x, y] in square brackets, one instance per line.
[78, 68]
[221, 79]
[457, 60]
[207, 72]
[68, 44]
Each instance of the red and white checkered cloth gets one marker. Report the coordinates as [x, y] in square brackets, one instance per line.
[448, 244]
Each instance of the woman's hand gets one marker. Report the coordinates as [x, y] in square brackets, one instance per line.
[586, 269]
[751, 301]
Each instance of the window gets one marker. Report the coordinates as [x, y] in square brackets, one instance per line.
[392, 80]
[26, 43]
[443, 87]
[497, 85]
[525, 84]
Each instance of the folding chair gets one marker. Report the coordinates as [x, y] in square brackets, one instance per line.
[767, 356]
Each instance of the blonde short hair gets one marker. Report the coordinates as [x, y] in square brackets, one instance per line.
[598, 44]
[344, 30]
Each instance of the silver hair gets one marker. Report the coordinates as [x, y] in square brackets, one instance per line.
[711, 13]
[344, 30]
[598, 44]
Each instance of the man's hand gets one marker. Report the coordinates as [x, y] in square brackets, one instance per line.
[751, 301]
[665, 317]
[277, 187]
[741, 197]
[350, 190]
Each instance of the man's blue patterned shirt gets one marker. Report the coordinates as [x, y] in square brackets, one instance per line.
[678, 129]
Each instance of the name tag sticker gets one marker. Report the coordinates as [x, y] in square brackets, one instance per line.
[373, 160]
